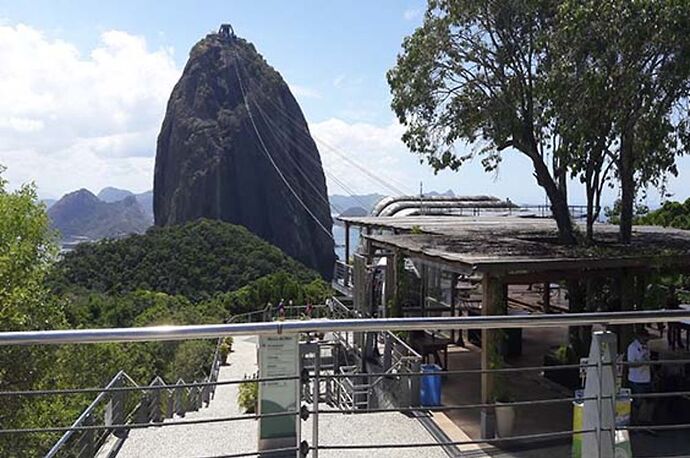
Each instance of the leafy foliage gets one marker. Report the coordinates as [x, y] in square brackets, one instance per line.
[589, 89]
[26, 250]
[629, 64]
[671, 214]
[248, 396]
[476, 74]
[196, 260]
[202, 272]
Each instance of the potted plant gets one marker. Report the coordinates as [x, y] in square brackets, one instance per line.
[224, 350]
[248, 396]
[505, 413]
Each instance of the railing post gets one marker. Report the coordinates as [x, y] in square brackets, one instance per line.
[115, 410]
[387, 351]
[316, 396]
[414, 384]
[87, 439]
[180, 401]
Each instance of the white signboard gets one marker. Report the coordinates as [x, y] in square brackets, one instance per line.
[278, 357]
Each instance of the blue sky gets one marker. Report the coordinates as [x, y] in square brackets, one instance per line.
[334, 55]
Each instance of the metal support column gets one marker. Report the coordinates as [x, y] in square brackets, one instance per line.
[315, 400]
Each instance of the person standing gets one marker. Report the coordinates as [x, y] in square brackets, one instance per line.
[640, 374]
[281, 309]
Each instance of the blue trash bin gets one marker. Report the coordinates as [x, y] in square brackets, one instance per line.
[430, 388]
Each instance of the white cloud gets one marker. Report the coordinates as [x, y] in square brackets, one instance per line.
[304, 92]
[380, 151]
[69, 120]
[411, 14]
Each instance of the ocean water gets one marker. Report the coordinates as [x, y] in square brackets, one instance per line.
[339, 237]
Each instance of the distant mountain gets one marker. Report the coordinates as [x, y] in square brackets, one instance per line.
[49, 202]
[366, 201]
[145, 199]
[355, 211]
[82, 214]
[111, 194]
[448, 193]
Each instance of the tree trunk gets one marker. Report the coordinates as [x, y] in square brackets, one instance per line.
[627, 178]
[559, 203]
[590, 211]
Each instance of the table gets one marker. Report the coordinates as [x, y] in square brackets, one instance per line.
[428, 344]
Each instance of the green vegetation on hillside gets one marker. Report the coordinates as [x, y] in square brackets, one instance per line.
[201, 272]
[196, 260]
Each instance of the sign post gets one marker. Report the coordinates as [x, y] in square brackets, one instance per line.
[278, 357]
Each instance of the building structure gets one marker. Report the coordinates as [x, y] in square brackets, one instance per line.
[431, 265]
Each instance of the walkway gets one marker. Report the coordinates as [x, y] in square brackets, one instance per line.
[210, 439]
[214, 439]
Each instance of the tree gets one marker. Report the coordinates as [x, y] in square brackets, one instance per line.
[623, 73]
[477, 72]
[26, 251]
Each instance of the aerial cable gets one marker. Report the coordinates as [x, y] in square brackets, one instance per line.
[341, 154]
[317, 192]
[299, 145]
[268, 154]
[377, 179]
[272, 129]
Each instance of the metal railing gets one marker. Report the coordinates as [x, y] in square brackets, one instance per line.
[211, 331]
[160, 405]
[343, 278]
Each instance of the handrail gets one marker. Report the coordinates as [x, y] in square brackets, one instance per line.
[91, 407]
[122, 375]
[169, 333]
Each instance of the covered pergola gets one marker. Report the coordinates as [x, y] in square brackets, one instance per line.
[503, 250]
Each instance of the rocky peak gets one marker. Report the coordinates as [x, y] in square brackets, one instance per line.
[210, 162]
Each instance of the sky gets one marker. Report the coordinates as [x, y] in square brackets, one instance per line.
[83, 89]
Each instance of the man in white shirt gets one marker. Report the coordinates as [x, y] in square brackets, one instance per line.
[639, 371]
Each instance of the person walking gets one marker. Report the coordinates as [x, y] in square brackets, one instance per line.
[640, 375]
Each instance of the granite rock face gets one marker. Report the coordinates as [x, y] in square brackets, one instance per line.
[210, 161]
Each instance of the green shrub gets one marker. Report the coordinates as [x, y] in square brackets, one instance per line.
[248, 396]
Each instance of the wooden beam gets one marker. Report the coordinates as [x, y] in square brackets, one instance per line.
[347, 242]
[546, 296]
[389, 286]
[453, 307]
[494, 302]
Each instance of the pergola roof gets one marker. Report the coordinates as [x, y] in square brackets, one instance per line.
[506, 245]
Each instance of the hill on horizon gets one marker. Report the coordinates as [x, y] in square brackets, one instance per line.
[82, 214]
